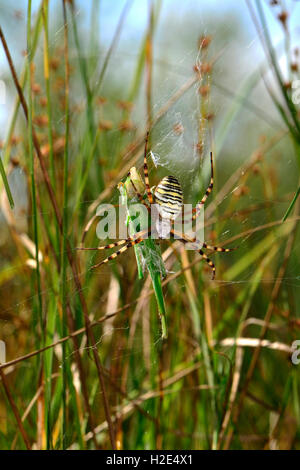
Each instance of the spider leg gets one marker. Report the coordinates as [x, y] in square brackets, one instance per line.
[185, 239]
[146, 175]
[209, 262]
[118, 243]
[105, 247]
[218, 248]
[129, 244]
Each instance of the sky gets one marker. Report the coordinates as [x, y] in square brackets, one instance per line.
[136, 21]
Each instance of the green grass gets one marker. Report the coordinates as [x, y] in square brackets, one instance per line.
[122, 356]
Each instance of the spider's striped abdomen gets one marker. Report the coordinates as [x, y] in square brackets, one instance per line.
[168, 196]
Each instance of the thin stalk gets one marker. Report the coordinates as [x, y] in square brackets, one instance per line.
[15, 410]
[273, 61]
[89, 97]
[88, 330]
[94, 31]
[31, 166]
[201, 338]
[45, 14]
[65, 224]
[67, 249]
[6, 185]
[85, 175]
[289, 210]
[149, 63]
[112, 46]
[23, 80]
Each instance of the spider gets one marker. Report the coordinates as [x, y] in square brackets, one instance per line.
[168, 197]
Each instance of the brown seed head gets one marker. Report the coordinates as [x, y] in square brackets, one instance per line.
[283, 17]
[199, 148]
[36, 88]
[204, 42]
[205, 68]
[178, 128]
[41, 120]
[105, 125]
[294, 67]
[43, 101]
[126, 125]
[209, 116]
[54, 63]
[15, 140]
[204, 90]
[196, 68]
[101, 100]
[126, 105]
[256, 169]
[15, 161]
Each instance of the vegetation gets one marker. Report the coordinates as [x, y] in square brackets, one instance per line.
[87, 366]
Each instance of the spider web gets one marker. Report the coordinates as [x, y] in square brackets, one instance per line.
[175, 151]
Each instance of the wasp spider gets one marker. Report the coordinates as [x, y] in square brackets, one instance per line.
[169, 199]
